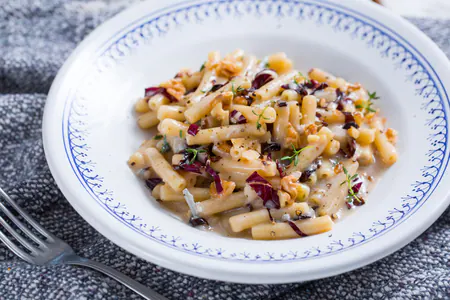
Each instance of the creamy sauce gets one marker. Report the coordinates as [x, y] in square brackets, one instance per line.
[219, 223]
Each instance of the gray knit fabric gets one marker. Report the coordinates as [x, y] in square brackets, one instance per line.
[36, 36]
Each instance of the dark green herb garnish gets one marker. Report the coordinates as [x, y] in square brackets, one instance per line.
[194, 152]
[236, 91]
[294, 157]
[368, 105]
[165, 147]
[181, 133]
[351, 197]
[373, 96]
[260, 116]
[266, 65]
[202, 67]
[158, 137]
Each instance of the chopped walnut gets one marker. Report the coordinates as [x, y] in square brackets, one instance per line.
[285, 199]
[338, 168]
[292, 137]
[175, 87]
[213, 60]
[289, 184]
[230, 66]
[392, 134]
[228, 188]
[311, 129]
[354, 87]
[240, 100]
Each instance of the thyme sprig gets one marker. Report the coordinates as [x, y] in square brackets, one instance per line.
[294, 157]
[349, 181]
[239, 89]
[367, 106]
[260, 116]
[194, 152]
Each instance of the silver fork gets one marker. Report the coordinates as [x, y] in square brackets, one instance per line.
[54, 251]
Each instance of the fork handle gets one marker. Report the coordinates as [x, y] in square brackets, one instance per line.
[140, 289]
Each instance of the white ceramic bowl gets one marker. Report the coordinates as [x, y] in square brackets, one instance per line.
[90, 128]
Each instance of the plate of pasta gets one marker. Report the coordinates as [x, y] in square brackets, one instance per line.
[253, 141]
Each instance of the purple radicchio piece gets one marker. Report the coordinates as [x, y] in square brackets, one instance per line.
[280, 168]
[271, 147]
[153, 182]
[296, 229]
[215, 175]
[350, 149]
[152, 91]
[308, 172]
[195, 222]
[263, 77]
[194, 167]
[270, 215]
[264, 190]
[312, 84]
[216, 87]
[299, 88]
[236, 117]
[319, 87]
[349, 121]
[193, 129]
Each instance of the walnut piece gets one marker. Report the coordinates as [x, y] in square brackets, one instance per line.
[175, 88]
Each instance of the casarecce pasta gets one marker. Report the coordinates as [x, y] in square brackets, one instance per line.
[254, 148]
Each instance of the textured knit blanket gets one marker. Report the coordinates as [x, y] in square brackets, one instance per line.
[35, 39]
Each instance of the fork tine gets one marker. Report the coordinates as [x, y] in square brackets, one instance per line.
[14, 248]
[21, 226]
[27, 217]
[18, 237]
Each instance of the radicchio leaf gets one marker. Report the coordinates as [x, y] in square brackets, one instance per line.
[271, 147]
[319, 87]
[270, 215]
[349, 121]
[296, 229]
[349, 117]
[195, 222]
[280, 168]
[193, 129]
[339, 95]
[264, 190]
[356, 187]
[350, 149]
[195, 167]
[312, 84]
[215, 175]
[350, 124]
[341, 104]
[299, 88]
[216, 87]
[237, 118]
[308, 172]
[153, 182]
[152, 91]
[262, 78]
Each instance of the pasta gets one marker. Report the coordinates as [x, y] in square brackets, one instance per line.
[260, 147]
